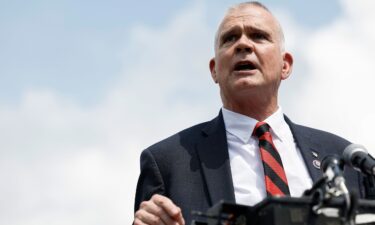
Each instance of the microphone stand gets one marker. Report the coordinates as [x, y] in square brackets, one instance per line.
[331, 186]
[369, 184]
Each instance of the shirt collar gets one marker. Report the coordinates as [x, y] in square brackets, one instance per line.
[277, 122]
[242, 126]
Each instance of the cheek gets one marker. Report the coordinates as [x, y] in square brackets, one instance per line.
[273, 61]
[222, 66]
[224, 58]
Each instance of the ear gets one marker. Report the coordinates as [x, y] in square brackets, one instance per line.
[213, 70]
[287, 66]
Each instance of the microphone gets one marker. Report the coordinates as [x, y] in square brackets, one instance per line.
[332, 167]
[358, 158]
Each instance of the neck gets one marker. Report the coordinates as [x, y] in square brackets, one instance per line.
[259, 110]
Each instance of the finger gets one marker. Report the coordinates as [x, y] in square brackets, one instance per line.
[138, 222]
[148, 218]
[154, 209]
[172, 210]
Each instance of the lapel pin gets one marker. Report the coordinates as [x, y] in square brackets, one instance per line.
[315, 154]
[316, 163]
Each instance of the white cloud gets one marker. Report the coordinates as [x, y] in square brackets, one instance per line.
[62, 163]
[338, 84]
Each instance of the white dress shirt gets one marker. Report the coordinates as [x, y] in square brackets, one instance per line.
[245, 160]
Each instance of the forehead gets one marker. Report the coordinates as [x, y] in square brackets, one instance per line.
[249, 16]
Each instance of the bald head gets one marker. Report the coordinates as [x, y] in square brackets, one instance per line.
[238, 10]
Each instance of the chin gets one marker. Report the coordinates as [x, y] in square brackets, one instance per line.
[246, 83]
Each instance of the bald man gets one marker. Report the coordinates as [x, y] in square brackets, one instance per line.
[221, 159]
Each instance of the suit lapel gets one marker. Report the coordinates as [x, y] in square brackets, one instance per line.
[309, 148]
[214, 157]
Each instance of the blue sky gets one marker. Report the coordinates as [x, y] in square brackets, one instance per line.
[86, 85]
[76, 48]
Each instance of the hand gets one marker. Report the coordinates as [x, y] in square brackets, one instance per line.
[159, 210]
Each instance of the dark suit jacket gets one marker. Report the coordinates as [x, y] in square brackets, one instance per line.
[192, 167]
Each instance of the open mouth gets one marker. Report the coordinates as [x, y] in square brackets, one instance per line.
[244, 66]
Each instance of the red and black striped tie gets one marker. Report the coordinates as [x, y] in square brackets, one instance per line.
[274, 174]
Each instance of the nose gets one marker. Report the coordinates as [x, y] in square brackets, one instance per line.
[244, 44]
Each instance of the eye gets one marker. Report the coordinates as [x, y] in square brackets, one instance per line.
[259, 36]
[229, 38]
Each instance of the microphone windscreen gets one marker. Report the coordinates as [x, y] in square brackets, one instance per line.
[351, 150]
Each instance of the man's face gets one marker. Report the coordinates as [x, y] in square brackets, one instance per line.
[248, 55]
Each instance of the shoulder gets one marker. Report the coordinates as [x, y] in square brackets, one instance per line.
[183, 141]
[192, 133]
[326, 140]
[320, 134]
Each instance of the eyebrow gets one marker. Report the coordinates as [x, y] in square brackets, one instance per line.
[255, 29]
[235, 28]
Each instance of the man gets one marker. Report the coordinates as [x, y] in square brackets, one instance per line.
[224, 159]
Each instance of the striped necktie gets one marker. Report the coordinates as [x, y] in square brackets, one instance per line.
[274, 174]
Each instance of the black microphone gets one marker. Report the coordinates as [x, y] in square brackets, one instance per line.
[332, 167]
[357, 157]
[332, 163]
